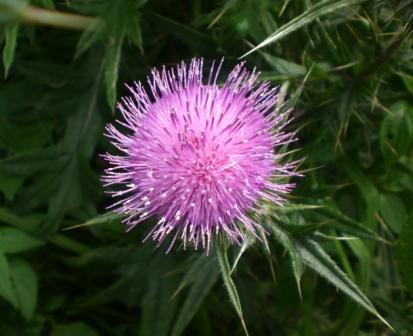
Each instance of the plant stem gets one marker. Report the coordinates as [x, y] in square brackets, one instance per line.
[57, 19]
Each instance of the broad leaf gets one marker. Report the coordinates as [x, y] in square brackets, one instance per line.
[6, 290]
[13, 240]
[24, 282]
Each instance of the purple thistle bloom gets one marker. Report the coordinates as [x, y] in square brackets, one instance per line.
[199, 156]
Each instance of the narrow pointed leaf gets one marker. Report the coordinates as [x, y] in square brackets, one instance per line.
[320, 262]
[224, 265]
[286, 241]
[11, 32]
[105, 218]
[205, 279]
[313, 13]
[158, 308]
[245, 245]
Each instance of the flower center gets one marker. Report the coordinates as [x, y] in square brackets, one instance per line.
[204, 156]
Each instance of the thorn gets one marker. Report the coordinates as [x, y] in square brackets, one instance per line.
[299, 288]
[244, 326]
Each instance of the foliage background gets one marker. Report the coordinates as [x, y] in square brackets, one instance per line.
[347, 67]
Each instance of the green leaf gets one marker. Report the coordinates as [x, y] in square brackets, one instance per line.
[181, 31]
[11, 32]
[321, 263]
[8, 217]
[6, 289]
[120, 19]
[284, 67]
[393, 211]
[408, 81]
[112, 61]
[9, 185]
[71, 329]
[33, 162]
[24, 281]
[82, 132]
[267, 252]
[404, 253]
[396, 132]
[157, 305]
[249, 241]
[13, 240]
[367, 189]
[106, 218]
[287, 242]
[221, 253]
[134, 31]
[322, 8]
[205, 277]
[347, 225]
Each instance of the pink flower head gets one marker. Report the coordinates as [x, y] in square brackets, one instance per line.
[199, 156]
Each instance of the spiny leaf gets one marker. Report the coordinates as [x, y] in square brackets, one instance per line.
[320, 262]
[347, 225]
[222, 256]
[249, 240]
[267, 252]
[108, 217]
[287, 242]
[322, 8]
[119, 20]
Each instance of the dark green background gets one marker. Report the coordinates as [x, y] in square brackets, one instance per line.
[347, 68]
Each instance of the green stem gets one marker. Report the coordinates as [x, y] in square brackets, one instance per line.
[46, 17]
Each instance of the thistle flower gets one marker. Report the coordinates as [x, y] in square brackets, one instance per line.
[199, 156]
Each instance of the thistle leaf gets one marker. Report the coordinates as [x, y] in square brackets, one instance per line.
[313, 13]
[321, 263]
[206, 275]
[283, 237]
[221, 253]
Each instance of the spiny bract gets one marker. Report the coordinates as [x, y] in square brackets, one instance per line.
[199, 155]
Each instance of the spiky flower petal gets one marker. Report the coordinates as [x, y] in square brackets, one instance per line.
[197, 155]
